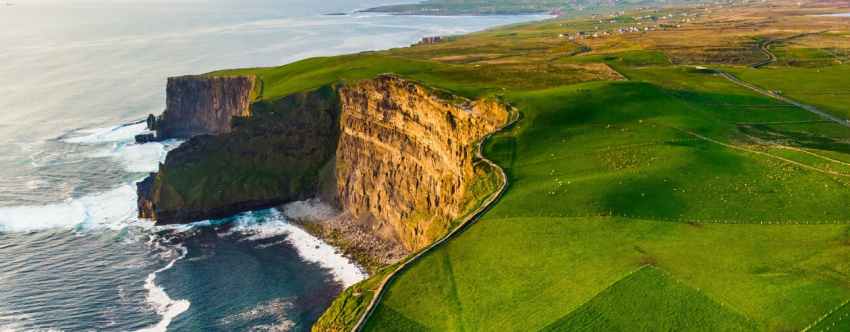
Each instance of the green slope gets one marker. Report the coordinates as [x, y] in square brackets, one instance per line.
[824, 87]
[650, 300]
[606, 177]
[838, 320]
[738, 196]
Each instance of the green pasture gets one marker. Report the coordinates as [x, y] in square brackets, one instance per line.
[672, 200]
[825, 87]
[609, 177]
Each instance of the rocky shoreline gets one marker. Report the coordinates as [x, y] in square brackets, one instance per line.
[356, 240]
[393, 157]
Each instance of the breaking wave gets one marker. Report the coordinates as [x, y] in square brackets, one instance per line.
[159, 300]
[122, 133]
[271, 223]
[111, 209]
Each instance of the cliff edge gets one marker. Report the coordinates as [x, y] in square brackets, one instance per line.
[405, 155]
[271, 157]
[201, 105]
[395, 157]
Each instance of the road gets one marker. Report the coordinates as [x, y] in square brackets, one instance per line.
[810, 108]
[764, 46]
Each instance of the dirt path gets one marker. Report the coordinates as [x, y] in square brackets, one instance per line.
[764, 47]
[468, 220]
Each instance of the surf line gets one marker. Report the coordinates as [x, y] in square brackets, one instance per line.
[164, 305]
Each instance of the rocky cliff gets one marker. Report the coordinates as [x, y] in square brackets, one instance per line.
[394, 156]
[200, 105]
[274, 156]
[405, 155]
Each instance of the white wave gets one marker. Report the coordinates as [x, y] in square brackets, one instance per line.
[138, 158]
[271, 223]
[157, 298]
[111, 209]
[312, 209]
[276, 310]
[121, 133]
[285, 326]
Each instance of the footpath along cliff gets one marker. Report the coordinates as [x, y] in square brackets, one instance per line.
[393, 156]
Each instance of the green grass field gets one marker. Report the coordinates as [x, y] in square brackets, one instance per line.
[650, 300]
[664, 197]
[825, 87]
[838, 320]
[608, 177]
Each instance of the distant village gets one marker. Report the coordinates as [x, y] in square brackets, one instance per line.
[431, 40]
[643, 24]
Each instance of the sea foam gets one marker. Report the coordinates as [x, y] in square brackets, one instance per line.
[159, 300]
[122, 133]
[111, 209]
[138, 158]
[270, 223]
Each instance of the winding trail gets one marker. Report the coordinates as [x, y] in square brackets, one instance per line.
[474, 216]
[468, 220]
[764, 47]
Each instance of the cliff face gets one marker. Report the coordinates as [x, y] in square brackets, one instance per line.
[405, 155]
[273, 157]
[199, 105]
[394, 156]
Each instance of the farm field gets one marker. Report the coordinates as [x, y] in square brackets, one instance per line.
[729, 204]
[645, 190]
[824, 87]
[609, 177]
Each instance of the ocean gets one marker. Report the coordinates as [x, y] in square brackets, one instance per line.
[76, 79]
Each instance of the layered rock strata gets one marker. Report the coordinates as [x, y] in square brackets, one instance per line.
[272, 157]
[405, 155]
[201, 105]
[394, 156]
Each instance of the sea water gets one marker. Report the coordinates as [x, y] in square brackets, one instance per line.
[76, 79]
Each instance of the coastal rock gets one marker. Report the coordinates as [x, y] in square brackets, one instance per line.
[405, 155]
[394, 156]
[144, 189]
[145, 138]
[151, 122]
[272, 157]
[201, 105]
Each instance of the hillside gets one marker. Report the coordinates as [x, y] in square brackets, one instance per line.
[736, 198]
[655, 180]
